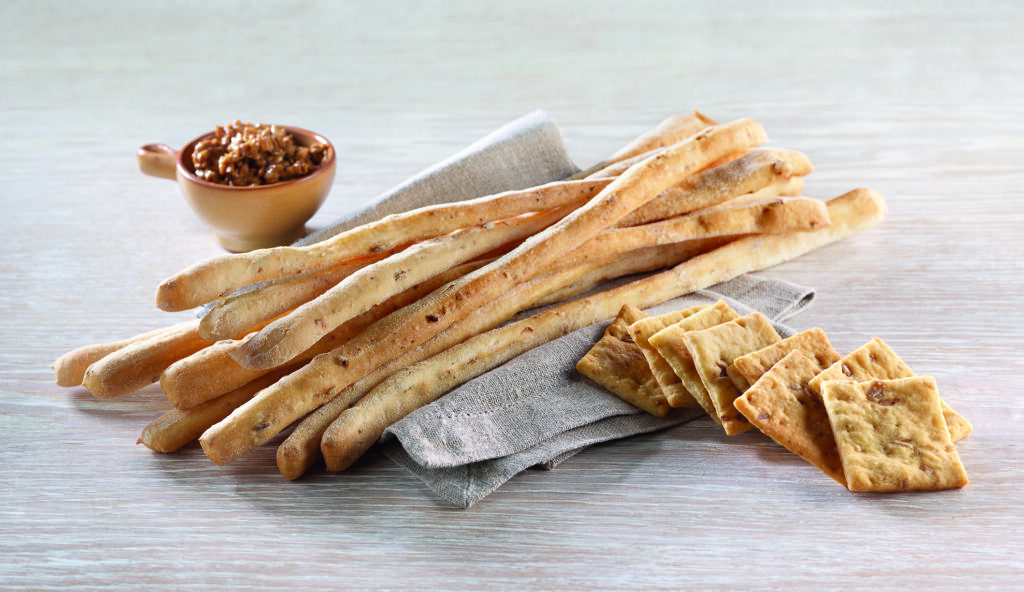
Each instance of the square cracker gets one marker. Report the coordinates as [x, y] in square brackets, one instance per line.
[892, 436]
[876, 360]
[715, 348]
[616, 363]
[780, 405]
[641, 331]
[745, 370]
[669, 344]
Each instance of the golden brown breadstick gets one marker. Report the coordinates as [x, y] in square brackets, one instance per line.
[762, 217]
[218, 277]
[70, 368]
[295, 395]
[139, 364]
[302, 447]
[752, 172]
[357, 428]
[623, 195]
[296, 458]
[670, 131]
[212, 372]
[290, 335]
[176, 428]
[236, 314]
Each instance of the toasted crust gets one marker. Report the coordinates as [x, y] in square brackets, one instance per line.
[746, 370]
[780, 405]
[641, 331]
[892, 436]
[616, 363]
[713, 349]
[876, 360]
[668, 343]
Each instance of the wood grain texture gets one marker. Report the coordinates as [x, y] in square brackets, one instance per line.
[921, 102]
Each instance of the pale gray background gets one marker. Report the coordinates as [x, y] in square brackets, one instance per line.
[921, 102]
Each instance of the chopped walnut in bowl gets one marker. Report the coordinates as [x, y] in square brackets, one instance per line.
[247, 154]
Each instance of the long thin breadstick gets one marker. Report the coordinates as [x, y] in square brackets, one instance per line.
[302, 447]
[177, 427]
[634, 188]
[359, 427]
[212, 372]
[520, 296]
[754, 171]
[218, 277]
[237, 313]
[139, 364]
[300, 392]
[669, 131]
[288, 336]
[760, 217]
[70, 368]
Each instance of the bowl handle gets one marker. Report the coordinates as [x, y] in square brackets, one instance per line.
[158, 160]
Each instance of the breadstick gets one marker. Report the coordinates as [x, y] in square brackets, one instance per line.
[70, 368]
[288, 336]
[754, 171]
[670, 131]
[520, 296]
[176, 428]
[357, 428]
[623, 195]
[761, 217]
[240, 312]
[300, 392]
[139, 364]
[302, 447]
[218, 277]
[212, 372]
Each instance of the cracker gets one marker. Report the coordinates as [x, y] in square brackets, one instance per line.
[714, 349]
[745, 370]
[780, 405]
[616, 363]
[641, 331]
[876, 360]
[892, 436]
[669, 347]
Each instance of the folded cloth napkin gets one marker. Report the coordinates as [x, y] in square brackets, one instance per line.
[523, 153]
[538, 410]
[535, 410]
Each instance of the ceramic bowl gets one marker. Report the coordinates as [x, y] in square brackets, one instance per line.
[246, 218]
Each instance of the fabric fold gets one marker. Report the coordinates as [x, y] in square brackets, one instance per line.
[538, 410]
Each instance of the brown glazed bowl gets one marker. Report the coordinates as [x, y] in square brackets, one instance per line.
[246, 218]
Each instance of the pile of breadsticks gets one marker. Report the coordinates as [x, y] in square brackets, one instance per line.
[355, 332]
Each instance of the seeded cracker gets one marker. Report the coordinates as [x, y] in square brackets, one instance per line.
[641, 331]
[616, 363]
[715, 348]
[892, 436]
[745, 370]
[669, 346]
[780, 405]
[876, 360]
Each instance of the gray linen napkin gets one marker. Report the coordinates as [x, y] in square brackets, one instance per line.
[520, 154]
[538, 410]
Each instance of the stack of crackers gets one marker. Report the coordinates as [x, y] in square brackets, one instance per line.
[866, 419]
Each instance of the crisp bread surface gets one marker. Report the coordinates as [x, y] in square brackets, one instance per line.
[892, 435]
[876, 360]
[783, 408]
[745, 370]
[617, 364]
[675, 392]
[713, 349]
[669, 344]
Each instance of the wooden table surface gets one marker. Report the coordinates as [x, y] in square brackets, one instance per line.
[922, 103]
